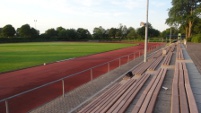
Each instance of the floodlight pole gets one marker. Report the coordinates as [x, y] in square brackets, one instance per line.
[35, 23]
[146, 32]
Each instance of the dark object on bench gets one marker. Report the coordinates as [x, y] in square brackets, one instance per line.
[129, 74]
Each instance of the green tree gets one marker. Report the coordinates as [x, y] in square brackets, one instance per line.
[83, 34]
[197, 26]
[141, 31]
[72, 34]
[8, 31]
[51, 33]
[112, 33]
[121, 32]
[1, 36]
[26, 31]
[131, 33]
[99, 33]
[183, 13]
[62, 33]
[60, 29]
[124, 31]
[154, 33]
[166, 33]
[151, 31]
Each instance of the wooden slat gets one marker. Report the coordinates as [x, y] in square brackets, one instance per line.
[191, 100]
[126, 94]
[180, 55]
[101, 97]
[128, 100]
[101, 101]
[156, 92]
[175, 92]
[111, 99]
[148, 98]
[168, 59]
[110, 103]
[182, 92]
[144, 68]
[187, 101]
[142, 97]
[150, 93]
[156, 63]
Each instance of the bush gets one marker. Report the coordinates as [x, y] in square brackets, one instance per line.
[196, 38]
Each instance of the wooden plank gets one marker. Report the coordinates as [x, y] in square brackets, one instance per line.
[175, 92]
[146, 66]
[191, 99]
[156, 63]
[109, 101]
[101, 97]
[167, 59]
[136, 90]
[150, 93]
[182, 92]
[105, 99]
[156, 92]
[142, 97]
[126, 94]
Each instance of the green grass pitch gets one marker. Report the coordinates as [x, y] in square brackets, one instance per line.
[21, 55]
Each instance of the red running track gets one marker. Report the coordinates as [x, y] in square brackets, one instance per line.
[12, 83]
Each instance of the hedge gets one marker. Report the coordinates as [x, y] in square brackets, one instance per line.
[196, 38]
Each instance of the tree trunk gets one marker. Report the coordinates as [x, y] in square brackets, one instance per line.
[186, 28]
[190, 28]
[190, 24]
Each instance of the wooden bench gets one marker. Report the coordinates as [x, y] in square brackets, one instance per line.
[182, 100]
[147, 100]
[156, 63]
[143, 67]
[108, 96]
[117, 97]
[155, 55]
[121, 105]
[172, 48]
[158, 54]
[180, 55]
[167, 59]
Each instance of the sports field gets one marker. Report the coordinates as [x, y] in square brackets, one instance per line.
[22, 55]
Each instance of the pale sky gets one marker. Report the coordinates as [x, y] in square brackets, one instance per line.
[86, 14]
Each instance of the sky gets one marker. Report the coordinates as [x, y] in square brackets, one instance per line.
[86, 14]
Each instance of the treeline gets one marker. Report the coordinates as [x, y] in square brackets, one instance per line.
[185, 17]
[26, 33]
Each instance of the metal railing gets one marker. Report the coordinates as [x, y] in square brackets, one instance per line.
[120, 61]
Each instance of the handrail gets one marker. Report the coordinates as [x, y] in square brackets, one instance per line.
[27, 91]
